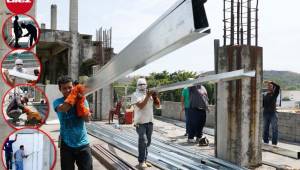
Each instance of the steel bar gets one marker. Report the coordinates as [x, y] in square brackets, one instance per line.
[183, 23]
[165, 151]
[228, 76]
[111, 160]
[161, 154]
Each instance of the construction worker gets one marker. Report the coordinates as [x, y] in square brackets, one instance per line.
[31, 31]
[74, 144]
[143, 101]
[16, 107]
[270, 114]
[12, 80]
[19, 156]
[197, 113]
[185, 104]
[9, 151]
[17, 31]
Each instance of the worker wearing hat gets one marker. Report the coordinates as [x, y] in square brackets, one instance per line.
[12, 80]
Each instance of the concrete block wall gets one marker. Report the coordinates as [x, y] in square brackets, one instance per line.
[289, 126]
[288, 123]
[172, 110]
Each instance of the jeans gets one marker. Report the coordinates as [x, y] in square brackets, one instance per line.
[8, 160]
[270, 118]
[144, 132]
[186, 111]
[82, 156]
[19, 165]
[197, 119]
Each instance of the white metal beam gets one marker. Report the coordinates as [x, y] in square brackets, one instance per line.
[183, 23]
[228, 76]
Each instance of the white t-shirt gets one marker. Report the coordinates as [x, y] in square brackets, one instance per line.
[144, 115]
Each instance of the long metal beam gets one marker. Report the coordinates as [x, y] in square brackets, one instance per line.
[228, 76]
[183, 23]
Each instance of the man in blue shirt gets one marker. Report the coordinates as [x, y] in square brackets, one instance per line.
[74, 141]
[9, 152]
[19, 156]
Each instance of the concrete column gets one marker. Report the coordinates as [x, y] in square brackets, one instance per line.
[239, 106]
[54, 17]
[73, 16]
[73, 57]
[106, 101]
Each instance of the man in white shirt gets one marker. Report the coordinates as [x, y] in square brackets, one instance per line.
[143, 101]
[19, 156]
[12, 80]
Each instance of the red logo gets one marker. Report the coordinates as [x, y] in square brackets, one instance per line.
[19, 6]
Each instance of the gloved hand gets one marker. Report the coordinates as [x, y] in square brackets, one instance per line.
[72, 98]
[81, 110]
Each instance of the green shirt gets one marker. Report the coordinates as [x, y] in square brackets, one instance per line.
[186, 96]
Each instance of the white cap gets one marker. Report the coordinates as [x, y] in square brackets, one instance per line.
[141, 81]
[19, 61]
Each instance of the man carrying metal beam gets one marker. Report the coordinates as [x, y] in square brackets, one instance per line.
[73, 134]
[143, 101]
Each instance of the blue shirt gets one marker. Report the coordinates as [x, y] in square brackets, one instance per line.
[8, 146]
[72, 128]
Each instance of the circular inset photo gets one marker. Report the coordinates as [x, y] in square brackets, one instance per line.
[25, 106]
[19, 6]
[28, 149]
[20, 32]
[20, 67]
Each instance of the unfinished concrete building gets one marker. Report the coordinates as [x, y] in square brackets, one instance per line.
[69, 52]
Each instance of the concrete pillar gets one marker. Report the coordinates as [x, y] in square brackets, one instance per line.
[73, 16]
[73, 57]
[239, 106]
[54, 17]
[43, 26]
[106, 102]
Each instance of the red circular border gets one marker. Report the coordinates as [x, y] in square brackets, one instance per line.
[36, 57]
[51, 140]
[38, 36]
[33, 127]
[18, 10]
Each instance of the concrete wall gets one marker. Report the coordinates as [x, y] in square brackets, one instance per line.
[289, 126]
[173, 110]
[288, 123]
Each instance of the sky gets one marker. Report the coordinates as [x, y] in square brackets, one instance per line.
[279, 30]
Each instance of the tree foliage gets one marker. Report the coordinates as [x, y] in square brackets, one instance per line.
[164, 78]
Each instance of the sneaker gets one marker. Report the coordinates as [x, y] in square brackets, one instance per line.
[143, 165]
[203, 142]
[191, 141]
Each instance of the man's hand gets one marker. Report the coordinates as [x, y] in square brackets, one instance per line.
[6, 73]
